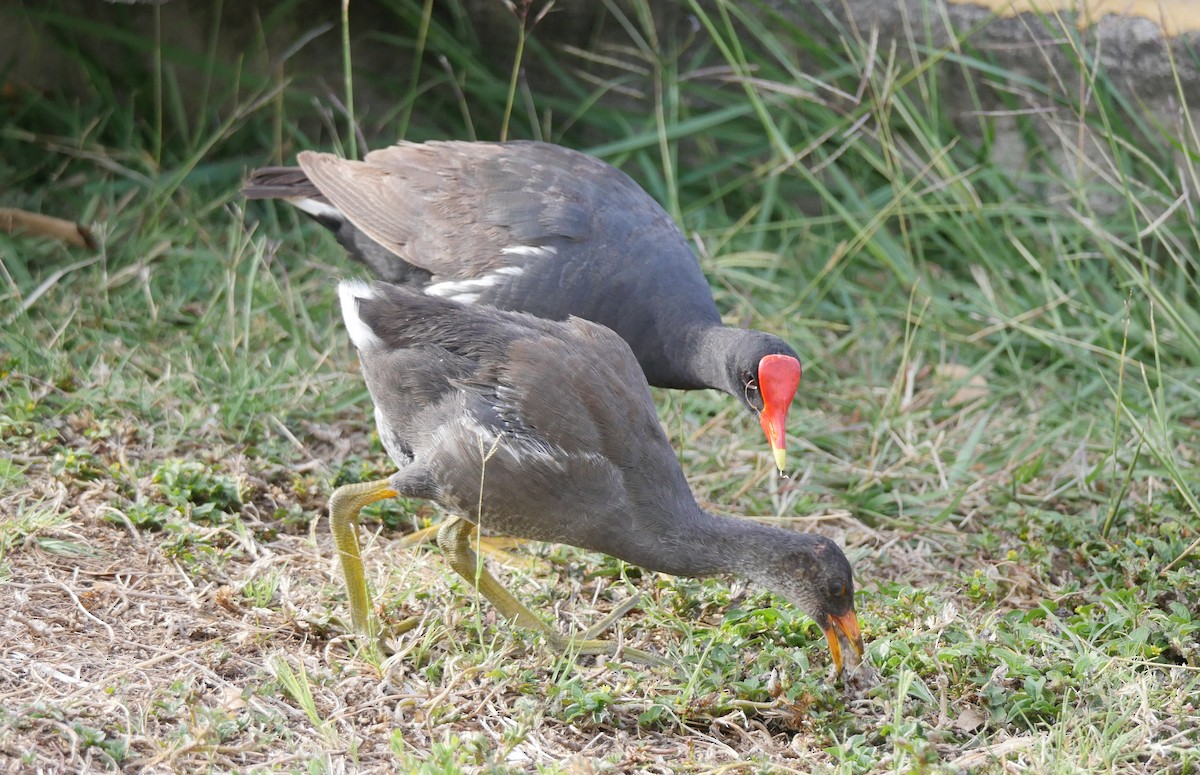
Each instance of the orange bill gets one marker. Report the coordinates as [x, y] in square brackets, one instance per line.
[844, 627]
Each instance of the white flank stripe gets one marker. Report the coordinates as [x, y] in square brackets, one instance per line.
[451, 287]
[530, 251]
[468, 291]
[318, 209]
[350, 291]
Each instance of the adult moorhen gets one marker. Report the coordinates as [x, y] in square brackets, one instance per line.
[545, 430]
[542, 229]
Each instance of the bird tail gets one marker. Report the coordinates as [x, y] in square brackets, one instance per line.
[279, 183]
[351, 292]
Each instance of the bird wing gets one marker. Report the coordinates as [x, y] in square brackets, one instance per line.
[573, 386]
[418, 199]
[587, 396]
[587, 401]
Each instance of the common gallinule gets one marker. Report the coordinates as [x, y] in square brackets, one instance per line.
[542, 229]
[545, 430]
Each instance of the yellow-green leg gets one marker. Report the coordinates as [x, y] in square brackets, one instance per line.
[493, 546]
[454, 539]
[344, 505]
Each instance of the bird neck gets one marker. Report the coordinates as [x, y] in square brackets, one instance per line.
[710, 544]
[782, 561]
[709, 350]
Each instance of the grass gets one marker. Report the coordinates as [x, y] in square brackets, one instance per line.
[999, 419]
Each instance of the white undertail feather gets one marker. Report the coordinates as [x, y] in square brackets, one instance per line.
[350, 291]
[318, 209]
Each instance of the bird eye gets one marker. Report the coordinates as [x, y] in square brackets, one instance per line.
[750, 385]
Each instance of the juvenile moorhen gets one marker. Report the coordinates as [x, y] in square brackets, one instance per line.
[545, 430]
[539, 228]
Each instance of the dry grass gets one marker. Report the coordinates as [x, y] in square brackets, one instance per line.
[116, 653]
[999, 424]
[123, 650]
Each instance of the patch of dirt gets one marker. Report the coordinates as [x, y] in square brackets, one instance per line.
[118, 653]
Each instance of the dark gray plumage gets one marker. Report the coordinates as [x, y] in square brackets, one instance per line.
[573, 447]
